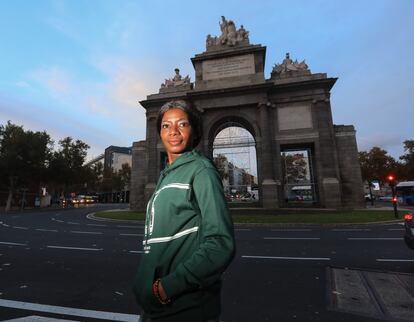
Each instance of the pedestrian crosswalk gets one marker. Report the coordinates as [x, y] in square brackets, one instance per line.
[35, 318]
[65, 311]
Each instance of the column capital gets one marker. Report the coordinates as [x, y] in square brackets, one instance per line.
[266, 104]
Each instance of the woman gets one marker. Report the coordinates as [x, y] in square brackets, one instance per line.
[189, 240]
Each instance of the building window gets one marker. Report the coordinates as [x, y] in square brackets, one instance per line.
[299, 186]
[234, 153]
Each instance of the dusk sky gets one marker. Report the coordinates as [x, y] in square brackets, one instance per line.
[79, 68]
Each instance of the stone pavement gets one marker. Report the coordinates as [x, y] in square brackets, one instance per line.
[382, 295]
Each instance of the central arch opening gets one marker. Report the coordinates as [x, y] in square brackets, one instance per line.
[234, 153]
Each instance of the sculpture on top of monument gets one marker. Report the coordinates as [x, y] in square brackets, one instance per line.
[177, 82]
[230, 36]
[290, 68]
[177, 77]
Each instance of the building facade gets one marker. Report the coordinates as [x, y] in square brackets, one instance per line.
[301, 157]
[116, 156]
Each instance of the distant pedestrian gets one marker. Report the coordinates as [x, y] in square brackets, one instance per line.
[189, 237]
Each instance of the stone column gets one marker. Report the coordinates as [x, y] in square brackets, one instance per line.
[349, 167]
[329, 178]
[138, 176]
[153, 156]
[269, 185]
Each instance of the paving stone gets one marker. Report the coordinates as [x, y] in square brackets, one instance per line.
[385, 295]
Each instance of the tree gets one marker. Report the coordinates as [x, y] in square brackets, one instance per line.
[125, 175]
[407, 169]
[93, 176]
[294, 167]
[23, 157]
[376, 164]
[115, 181]
[66, 168]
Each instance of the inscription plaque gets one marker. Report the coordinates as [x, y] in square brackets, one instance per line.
[228, 67]
[294, 117]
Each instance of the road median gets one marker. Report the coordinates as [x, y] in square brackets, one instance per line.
[281, 216]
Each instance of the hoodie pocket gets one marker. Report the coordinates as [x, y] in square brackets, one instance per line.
[142, 288]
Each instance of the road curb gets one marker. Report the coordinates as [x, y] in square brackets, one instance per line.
[92, 216]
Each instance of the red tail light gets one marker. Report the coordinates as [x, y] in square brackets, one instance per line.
[394, 199]
[408, 217]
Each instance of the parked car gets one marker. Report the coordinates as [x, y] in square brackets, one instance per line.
[84, 199]
[409, 230]
[65, 202]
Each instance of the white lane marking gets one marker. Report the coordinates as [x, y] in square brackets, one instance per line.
[86, 232]
[35, 318]
[351, 229]
[394, 260]
[49, 230]
[5, 225]
[96, 225]
[57, 220]
[73, 223]
[74, 248]
[293, 238]
[136, 251]
[123, 226]
[132, 235]
[291, 229]
[396, 229]
[242, 229]
[288, 258]
[12, 244]
[374, 238]
[18, 227]
[112, 316]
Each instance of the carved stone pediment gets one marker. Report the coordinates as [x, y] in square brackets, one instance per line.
[230, 36]
[289, 68]
[176, 83]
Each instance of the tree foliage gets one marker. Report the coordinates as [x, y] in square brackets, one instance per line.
[24, 157]
[66, 168]
[295, 167]
[93, 176]
[376, 164]
[29, 160]
[116, 180]
[407, 167]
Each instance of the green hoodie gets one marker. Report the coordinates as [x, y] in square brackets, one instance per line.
[188, 242]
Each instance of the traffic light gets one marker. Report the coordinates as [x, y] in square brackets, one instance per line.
[391, 180]
[393, 184]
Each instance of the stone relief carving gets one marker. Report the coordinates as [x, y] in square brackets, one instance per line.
[177, 82]
[230, 36]
[290, 68]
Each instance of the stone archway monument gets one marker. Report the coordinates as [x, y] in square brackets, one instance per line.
[302, 158]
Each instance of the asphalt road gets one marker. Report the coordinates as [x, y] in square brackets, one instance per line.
[62, 265]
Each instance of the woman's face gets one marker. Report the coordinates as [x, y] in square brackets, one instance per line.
[176, 133]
